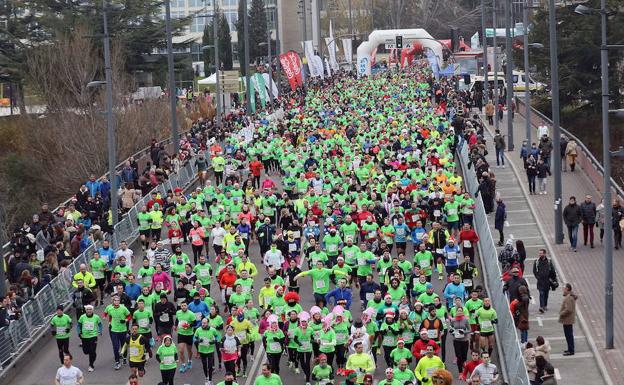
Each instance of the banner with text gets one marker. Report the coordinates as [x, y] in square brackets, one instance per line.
[292, 67]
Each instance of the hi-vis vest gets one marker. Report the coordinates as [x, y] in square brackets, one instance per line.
[136, 350]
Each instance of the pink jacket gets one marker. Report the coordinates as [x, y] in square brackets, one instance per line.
[163, 278]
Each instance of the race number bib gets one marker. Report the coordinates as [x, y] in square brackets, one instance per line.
[320, 284]
[432, 333]
[89, 326]
[164, 317]
[306, 345]
[468, 282]
[143, 322]
[275, 346]
[467, 244]
[168, 360]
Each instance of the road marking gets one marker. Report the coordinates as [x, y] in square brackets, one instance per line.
[523, 224]
[533, 300]
[562, 338]
[252, 373]
[539, 321]
[517, 211]
[557, 374]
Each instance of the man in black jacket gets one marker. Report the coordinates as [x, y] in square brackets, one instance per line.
[543, 271]
[513, 284]
[588, 215]
[572, 219]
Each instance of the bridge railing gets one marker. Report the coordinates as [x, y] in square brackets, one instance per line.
[585, 158]
[512, 364]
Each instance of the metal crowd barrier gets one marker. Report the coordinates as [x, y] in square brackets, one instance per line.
[19, 336]
[512, 363]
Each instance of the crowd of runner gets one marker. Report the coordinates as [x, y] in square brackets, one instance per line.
[355, 188]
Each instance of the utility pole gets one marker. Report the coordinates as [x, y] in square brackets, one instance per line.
[110, 127]
[215, 38]
[351, 19]
[318, 29]
[508, 75]
[305, 21]
[485, 58]
[171, 77]
[496, 124]
[527, 92]
[269, 56]
[246, 64]
[556, 132]
[278, 51]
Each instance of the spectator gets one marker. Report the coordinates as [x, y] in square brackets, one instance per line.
[544, 273]
[543, 170]
[570, 154]
[588, 217]
[500, 219]
[572, 217]
[567, 317]
[616, 221]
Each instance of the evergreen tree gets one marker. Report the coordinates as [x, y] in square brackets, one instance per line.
[240, 32]
[257, 30]
[225, 43]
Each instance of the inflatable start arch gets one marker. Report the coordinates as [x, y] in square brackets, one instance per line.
[417, 36]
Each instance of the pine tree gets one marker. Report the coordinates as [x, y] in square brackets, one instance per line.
[225, 43]
[257, 30]
[240, 32]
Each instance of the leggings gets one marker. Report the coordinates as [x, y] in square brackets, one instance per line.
[207, 360]
[197, 250]
[292, 356]
[243, 357]
[330, 358]
[89, 347]
[443, 346]
[63, 347]
[252, 348]
[461, 352]
[304, 360]
[341, 358]
[167, 376]
[274, 360]
[230, 366]
[387, 350]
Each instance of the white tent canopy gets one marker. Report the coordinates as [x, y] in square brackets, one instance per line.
[212, 79]
[365, 49]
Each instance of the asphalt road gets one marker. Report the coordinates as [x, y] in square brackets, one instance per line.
[39, 367]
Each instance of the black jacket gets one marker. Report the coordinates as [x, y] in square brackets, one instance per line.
[543, 270]
[588, 212]
[572, 214]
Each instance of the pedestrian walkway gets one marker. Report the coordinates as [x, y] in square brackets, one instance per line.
[531, 219]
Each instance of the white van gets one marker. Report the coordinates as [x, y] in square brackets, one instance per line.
[477, 82]
[520, 83]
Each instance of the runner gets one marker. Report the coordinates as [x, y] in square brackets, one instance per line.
[61, 325]
[68, 374]
[89, 327]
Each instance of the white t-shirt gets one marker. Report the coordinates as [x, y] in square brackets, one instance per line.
[217, 235]
[273, 259]
[68, 376]
[127, 253]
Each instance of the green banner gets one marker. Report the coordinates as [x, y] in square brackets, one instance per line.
[262, 91]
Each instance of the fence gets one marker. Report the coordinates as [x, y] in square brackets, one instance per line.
[585, 159]
[20, 335]
[509, 350]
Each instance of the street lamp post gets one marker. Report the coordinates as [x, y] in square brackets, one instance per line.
[485, 58]
[246, 64]
[171, 79]
[495, 91]
[556, 134]
[606, 158]
[215, 39]
[269, 58]
[110, 123]
[508, 75]
[277, 51]
[527, 92]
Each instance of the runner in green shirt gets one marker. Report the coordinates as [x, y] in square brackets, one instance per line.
[206, 338]
[167, 356]
[61, 325]
[322, 374]
[89, 326]
[145, 273]
[320, 280]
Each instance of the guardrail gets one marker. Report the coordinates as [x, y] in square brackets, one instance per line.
[585, 159]
[21, 334]
[512, 363]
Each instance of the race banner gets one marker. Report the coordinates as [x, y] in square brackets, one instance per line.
[261, 87]
[292, 67]
[331, 48]
[273, 90]
[315, 69]
[348, 50]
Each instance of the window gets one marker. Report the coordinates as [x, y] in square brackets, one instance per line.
[231, 18]
[196, 3]
[198, 24]
[178, 3]
[515, 78]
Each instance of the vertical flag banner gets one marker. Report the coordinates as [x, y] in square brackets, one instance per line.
[261, 87]
[348, 50]
[331, 48]
[274, 90]
[292, 68]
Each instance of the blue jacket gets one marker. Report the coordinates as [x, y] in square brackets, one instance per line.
[133, 290]
[501, 216]
[107, 255]
[451, 291]
[339, 294]
[94, 187]
[201, 308]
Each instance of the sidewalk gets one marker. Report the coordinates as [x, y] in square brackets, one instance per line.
[531, 219]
